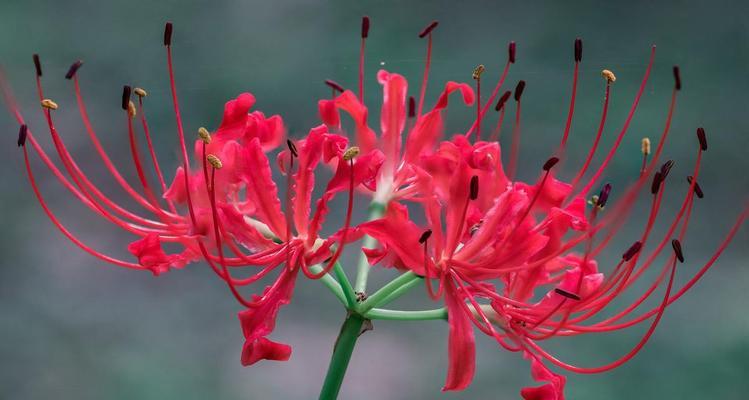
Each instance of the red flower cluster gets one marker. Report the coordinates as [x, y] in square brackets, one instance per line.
[518, 261]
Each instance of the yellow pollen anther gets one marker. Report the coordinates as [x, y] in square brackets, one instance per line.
[49, 104]
[131, 109]
[350, 153]
[214, 161]
[645, 146]
[608, 75]
[204, 135]
[140, 92]
[593, 200]
[478, 71]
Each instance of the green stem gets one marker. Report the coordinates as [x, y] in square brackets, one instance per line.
[348, 291]
[330, 283]
[400, 291]
[344, 347]
[385, 291]
[398, 315]
[376, 210]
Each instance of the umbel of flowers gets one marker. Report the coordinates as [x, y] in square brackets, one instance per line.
[517, 262]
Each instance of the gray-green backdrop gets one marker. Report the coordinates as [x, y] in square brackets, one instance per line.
[73, 328]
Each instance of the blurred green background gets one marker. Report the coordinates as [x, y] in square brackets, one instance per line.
[73, 328]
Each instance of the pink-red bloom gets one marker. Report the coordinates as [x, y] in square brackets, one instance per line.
[519, 261]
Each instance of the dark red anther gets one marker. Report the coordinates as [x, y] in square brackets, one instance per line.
[550, 163]
[425, 236]
[411, 107]
[37, 65]
[22, 133]
[519, 90]
[512, 50]
[578, 50]
[429, 28]
[502, 100]
[125, 97]
[73, 69]
[702, 138]
[603, 196]
[677, 78]
[364, 27]
[566, 294]
[474, 187]
[632, 251]
[677, 249]
[334, 85]
[697, 189]
[666, 168]
[168, 34]
[656, 186]
[292, 148]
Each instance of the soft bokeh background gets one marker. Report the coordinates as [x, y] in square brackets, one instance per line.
[74, 328]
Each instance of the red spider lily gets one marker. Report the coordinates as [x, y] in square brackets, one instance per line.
[518, 234]
[519, 261]
[230, 200]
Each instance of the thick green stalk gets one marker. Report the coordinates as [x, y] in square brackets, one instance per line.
[344, 347]
[398, 315]
[376, 210]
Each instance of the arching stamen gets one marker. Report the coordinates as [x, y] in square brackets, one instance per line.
[178, 117]
[628, 120]
[597, 140]
[364, 35]
[426, 32]
[500, 107]
[568, 124]
[511, 60]
[141, 93]
[216, 164]
[146, 204]
[348, 156]
[516, 132]
[477, 77]
[63, 229]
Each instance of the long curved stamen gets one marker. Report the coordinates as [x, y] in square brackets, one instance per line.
[347, 157]
[426, 32]
[219, 247]
[500, 107]
[107, 161]
[130, 112]
[364, 35]
[568, 124]
[510, 60]
[627, 356]
[62, 228]
[627, 122]
[511, 169]
[178, 117]
[597, 140]
[87, 188]
[477, 77]
[147, 133]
